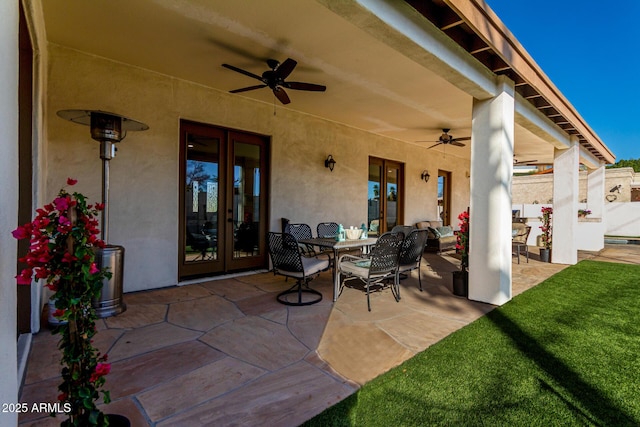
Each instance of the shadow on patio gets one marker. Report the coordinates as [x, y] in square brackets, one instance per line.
[225, 352]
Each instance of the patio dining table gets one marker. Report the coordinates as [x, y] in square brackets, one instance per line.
[330, 242]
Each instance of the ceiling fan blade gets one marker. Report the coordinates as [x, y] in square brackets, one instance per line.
[244, 89]
[435, 145]
[463, 138]
[281, 95]
[305, 86]
[285, 68]
[456, 143]
[241, 71]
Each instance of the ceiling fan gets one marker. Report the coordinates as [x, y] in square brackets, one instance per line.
[445, 138]
[275, 79]
[517, 162]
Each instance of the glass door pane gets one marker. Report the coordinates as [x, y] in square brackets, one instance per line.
[246, 199]
[201, 199]
[373, 206]
[444, 197]
[392, 189]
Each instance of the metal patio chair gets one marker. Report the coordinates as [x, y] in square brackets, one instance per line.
[288, 261]
[411, 253]
[381, 264]
[519, 239]
[302, 231]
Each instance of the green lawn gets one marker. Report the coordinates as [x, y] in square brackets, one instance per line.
[566, 352]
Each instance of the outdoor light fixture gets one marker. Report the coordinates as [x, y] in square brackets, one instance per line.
[330, 163]
[425, 175]
[616, 189]
[108, 129]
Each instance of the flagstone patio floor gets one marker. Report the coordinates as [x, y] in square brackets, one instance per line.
[225, 352]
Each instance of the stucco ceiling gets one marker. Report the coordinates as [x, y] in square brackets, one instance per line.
[370, 86]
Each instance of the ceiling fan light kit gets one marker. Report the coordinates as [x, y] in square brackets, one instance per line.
[275, 79]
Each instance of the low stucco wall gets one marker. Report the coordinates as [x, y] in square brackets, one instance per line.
[144, 174]
[622, 219]
[590, 234]
[534, 189]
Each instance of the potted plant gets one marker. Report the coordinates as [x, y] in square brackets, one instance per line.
[63, 237]
[461, 277]
[582, 213]
[546, 227]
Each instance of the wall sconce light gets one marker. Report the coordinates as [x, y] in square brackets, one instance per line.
[330, 162]
[425, 175]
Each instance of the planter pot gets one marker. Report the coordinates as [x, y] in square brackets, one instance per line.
[545, 255]
[116, 420]
[461, 283]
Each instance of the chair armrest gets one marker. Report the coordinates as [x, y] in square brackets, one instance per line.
[350, 258]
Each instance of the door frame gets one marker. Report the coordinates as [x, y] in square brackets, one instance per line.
[225, 263]
[446, 196]
[385, 164]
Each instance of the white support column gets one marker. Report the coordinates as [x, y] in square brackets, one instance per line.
[565, 204]
[9, 16]
[490, 209]
[595, 191]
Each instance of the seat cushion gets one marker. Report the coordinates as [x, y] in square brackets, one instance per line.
[445, 231]
[358, 268]
[310, 265]
[354, 268]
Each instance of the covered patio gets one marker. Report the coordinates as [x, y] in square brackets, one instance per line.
[398, 75]
[224, 352]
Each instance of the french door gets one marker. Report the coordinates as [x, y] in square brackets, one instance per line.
[385, 205]
[444, 197]
[223, 200]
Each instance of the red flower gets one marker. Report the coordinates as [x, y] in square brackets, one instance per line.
[22, 232]
[99, 206]
[102, 369]
[53, 286]
[68, 258]
[24, 278]
[62, 203]
[71, 181]
[58, 313]
[62, 397]
[93, 269]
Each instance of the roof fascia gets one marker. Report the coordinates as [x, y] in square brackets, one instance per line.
[487, 25]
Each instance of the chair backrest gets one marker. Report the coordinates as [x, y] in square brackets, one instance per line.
[413, 247]
[327, 229]
[284, 252]
[384, 255]
[299, 231]
[520, 232]
[404, 229]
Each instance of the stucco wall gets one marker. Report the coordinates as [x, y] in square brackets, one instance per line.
[144, 173]
[9, 215]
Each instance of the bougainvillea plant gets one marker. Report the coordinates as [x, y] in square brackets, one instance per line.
[546, 226]
[462, 244]
[64, 237]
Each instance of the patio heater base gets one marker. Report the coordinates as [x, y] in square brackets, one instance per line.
[110, 302]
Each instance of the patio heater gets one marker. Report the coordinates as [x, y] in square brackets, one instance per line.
[108, 129]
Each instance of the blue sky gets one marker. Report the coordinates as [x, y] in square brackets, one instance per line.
[590, 51]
